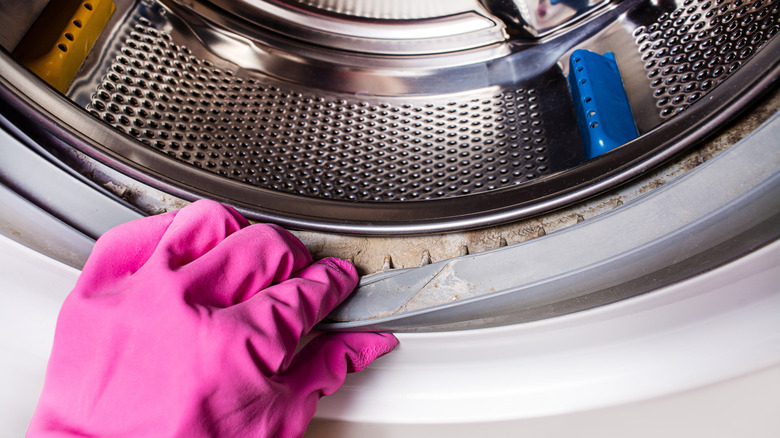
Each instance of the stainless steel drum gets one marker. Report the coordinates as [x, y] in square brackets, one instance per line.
[398, 133]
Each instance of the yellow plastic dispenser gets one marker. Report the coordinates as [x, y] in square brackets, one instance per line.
[60, 39]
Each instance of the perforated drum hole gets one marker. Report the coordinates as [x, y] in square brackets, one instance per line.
[726, 36]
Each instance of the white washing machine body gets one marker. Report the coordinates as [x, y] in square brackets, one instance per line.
[697, 357]
[653, 309]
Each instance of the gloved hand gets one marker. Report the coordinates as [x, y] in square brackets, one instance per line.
[187, 323]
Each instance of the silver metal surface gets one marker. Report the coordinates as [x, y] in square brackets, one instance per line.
[390, 10]
[183, 107]
[440, 27]
[16, 19]
[322, 139]
[246, 127]
[697, 46]
[535, 18]
[404, 27]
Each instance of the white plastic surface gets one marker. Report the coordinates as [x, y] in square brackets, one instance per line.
[742, 407]
[32, 289]
[708, 329]
[689, 350]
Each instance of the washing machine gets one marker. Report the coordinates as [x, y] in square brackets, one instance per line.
[567, 210]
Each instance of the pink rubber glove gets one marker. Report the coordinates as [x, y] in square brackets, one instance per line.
[187, 323]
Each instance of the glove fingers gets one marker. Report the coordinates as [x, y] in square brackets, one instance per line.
[196, 229]
[243, 264]
[282, 313]
[322, 365]
[122, 250]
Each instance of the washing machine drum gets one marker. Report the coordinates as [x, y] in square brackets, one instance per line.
[504, 149]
